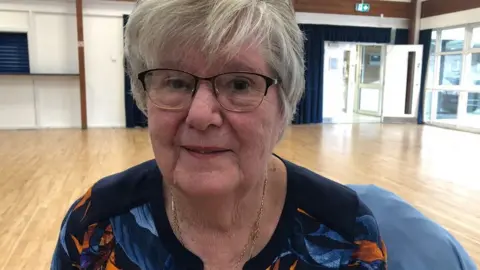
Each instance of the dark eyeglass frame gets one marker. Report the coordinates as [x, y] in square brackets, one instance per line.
[268, 83]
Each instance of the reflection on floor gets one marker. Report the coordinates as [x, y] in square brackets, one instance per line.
[470, 121]
[344, 118]
[467, 124]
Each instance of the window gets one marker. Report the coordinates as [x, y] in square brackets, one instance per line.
[447, 105]
[427, 112]
[452, 40]
[452, 94]
[372, 57]
[433, 44]
[474, 75]
[431, 60]
[473, 104]
[14, 53]
[450, 69]
[476, 38]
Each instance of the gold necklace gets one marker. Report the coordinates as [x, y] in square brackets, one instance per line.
[254, 234]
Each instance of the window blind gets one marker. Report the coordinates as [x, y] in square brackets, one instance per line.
[14, 53]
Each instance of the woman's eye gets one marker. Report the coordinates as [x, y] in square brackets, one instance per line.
[177, 83]
[240, 85]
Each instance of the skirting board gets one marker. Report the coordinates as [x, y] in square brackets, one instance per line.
[328, 120]
[399, 120]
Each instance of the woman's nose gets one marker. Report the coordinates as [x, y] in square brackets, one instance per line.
[204, 109]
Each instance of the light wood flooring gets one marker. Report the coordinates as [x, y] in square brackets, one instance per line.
[43, 172]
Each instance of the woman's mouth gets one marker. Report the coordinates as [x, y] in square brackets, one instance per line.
[199, 151]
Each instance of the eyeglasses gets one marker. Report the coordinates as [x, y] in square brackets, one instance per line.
[235, 91]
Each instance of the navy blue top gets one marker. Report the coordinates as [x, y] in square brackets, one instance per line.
[121, 223]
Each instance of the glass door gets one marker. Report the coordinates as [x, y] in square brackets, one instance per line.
[339, 82]
[349, 79]
[370, 80]
[346, 79]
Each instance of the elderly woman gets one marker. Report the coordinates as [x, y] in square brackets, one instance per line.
[219, 81]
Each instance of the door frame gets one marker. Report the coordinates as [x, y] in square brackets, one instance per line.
[379, 86]
[352, 79]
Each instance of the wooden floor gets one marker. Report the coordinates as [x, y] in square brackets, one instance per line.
[43, 172]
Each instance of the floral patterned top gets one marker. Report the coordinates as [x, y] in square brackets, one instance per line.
[121, 223]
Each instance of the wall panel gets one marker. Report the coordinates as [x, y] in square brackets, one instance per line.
[13, 21]
[55, 43]
[104, 71]
[57, 102]
[17, 101]
[451, 19]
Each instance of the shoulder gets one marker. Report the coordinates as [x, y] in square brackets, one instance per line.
[332, 203]
[89, 219]
[116, 193]
[331, 214]
[111, 196]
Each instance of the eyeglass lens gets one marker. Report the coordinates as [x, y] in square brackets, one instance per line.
[172, 89]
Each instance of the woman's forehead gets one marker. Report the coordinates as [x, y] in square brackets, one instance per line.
[247, 59]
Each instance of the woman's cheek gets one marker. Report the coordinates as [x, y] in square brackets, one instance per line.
[164, 125]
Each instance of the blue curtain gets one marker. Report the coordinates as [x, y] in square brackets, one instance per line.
[425, 39]
[310, 108]
[14, 53]
[134, 117]
[401, 36]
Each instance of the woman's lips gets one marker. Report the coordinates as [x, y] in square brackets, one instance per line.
[200, 151]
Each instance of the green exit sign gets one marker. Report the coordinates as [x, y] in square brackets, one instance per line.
[362, 7]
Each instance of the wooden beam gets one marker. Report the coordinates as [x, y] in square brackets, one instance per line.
[438, 7]
[413, 32]
[81, 63]
[414, 21]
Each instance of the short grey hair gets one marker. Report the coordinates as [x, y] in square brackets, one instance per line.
[218, 27]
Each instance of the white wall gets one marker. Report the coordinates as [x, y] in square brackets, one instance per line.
[54, 101]
[16, 103]
[451, 19]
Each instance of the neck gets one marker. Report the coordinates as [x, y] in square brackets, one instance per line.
[218, 228]
[223, 214]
